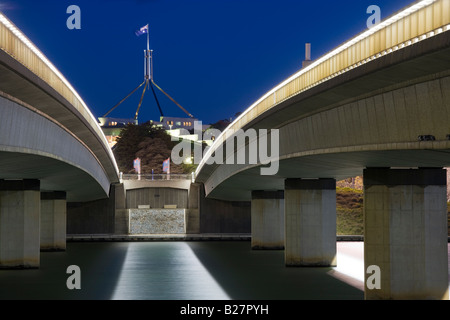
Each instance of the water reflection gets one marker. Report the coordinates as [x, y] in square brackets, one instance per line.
[262, 275]
[165, 270]
[100, 265]
[216, 270]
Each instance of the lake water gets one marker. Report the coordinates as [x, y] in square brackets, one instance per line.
[178, 270]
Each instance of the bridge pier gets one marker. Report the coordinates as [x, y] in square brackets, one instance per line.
[267, 220]
[19, 223]
[405, 233]
[53, 221]
[310, 218]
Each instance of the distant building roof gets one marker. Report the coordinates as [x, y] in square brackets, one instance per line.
[114, 122]
[178, 122]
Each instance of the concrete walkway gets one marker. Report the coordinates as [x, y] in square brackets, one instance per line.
[179, 237]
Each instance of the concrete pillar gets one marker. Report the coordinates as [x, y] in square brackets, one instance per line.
[53, 221]
[310, 218]
[405, 233]
[193, 212]
[19, 223]
[267, 220]
[121, 213]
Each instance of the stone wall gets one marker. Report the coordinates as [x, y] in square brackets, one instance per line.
[157, 221]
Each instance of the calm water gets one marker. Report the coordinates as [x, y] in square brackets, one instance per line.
[184, 271]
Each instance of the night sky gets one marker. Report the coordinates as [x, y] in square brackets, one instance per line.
[214, 57]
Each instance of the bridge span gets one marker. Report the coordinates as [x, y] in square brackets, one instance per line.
[377, 106]
[52, 151]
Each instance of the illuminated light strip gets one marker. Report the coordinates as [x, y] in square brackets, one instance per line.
[408, 11]
[8, 24]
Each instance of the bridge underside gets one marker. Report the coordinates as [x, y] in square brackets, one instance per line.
[338, 166]
[44, 136]
[54, 175]
[370, 116]
[35, 146]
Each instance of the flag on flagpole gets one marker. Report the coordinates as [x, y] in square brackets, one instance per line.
[166, 165]
[137, 165]
[142, 30]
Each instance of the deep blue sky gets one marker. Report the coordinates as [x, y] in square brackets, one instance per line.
[215, 57]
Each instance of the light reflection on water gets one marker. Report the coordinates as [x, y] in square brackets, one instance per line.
[163, 270]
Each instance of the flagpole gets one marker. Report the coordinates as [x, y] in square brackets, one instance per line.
[168, 171]
[148, 54]
[148, 38]
[151, 66]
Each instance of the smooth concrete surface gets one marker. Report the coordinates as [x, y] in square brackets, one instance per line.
[32, 145]
[156, 197]
[121, 213]
[184, 237]
[310, 219]
[19, 224]
[97, 216]
[145, 183]
[193, 211]
[53, 221]
[159, 237]
[267, 220]
[405, 223]
[219, 216]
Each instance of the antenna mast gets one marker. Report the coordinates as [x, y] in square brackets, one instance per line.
[148, 80]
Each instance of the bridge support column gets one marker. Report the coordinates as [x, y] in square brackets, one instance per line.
[405, 233]
[310, 218]
[53, 221]
[267, 220]
[19, 223]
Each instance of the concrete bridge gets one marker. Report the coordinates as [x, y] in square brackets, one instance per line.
[377, 106]
[52, 151]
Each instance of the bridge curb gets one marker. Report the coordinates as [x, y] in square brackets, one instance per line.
[181, 237]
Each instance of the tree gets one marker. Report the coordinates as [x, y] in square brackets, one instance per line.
[152, 152]
[151, 144]
[130, 137]
[221, 124]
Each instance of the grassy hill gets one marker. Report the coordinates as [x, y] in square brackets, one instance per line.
[349, 211]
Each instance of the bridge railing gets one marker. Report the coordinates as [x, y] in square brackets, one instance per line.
[17, 45]
[156, 176]
[417, 22]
